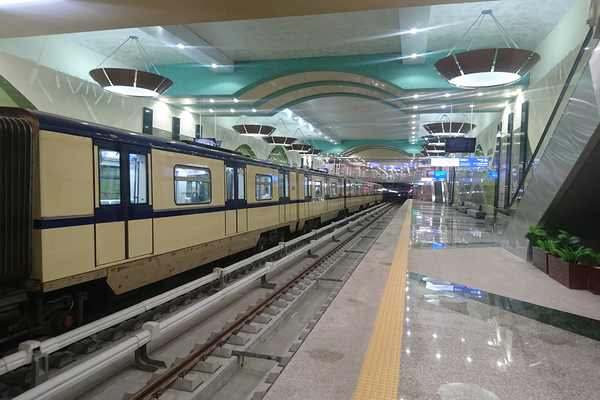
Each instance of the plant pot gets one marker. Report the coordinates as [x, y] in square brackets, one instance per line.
[573, 276]
[540, 259]
[594, 282]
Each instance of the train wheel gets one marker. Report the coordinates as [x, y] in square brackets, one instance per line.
[262, 244]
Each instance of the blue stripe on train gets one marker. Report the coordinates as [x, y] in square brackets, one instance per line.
[109, 214]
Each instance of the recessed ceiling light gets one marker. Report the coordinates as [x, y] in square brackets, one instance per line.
[413, 55]
[254, 110]
[480, 94]
[235, 100]
[472, 105]
[447, 95]
[214, 65]
[181, 46]
[212, 100]
[232, 110]
[415, 96]
[415, 107]
[211, 110]
[414, 115]
[414, 30]
[443, 106]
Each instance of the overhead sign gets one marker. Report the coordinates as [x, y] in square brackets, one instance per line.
[474, 162]
[440, 174]
[463, 162]
[372, 165]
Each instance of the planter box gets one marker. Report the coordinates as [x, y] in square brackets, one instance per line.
[573, 276]
[540, 259]
[594, 283]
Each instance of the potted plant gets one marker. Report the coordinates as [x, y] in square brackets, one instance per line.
[594, 276]
[564, 262]
[539, 252]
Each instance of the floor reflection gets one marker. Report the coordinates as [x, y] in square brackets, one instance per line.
[437, 226]
[463, 343]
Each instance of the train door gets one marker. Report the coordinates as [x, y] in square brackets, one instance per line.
[307, 196]
[123, 211]
[236, 212]
[285, 204]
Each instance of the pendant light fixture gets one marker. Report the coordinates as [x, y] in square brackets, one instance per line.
[254, 130]
[131, 82]
[492, 67]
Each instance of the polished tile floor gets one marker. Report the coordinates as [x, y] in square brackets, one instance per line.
[482, 324]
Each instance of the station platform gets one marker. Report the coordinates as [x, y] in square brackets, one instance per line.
[436, 310]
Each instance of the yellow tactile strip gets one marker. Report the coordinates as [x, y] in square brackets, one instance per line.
[381, 368]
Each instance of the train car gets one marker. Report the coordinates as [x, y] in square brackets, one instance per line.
[87, 203]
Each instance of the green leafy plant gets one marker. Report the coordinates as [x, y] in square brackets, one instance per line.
[564, 239]
[595, 256]
[568, 253]
[546, 244]
[535, 234]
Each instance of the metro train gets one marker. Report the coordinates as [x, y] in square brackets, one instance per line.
[84, 204]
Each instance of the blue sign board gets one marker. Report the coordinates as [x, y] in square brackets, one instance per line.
[440, 174]
[492, 175]
[373, 165]
[473, 162]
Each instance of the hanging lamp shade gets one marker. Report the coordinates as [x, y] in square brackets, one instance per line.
[435, 140]
[254, 130]
[301, 148]
[489, 67]
[449, 128]
[279, 140]
[131, 82]
[314, 152]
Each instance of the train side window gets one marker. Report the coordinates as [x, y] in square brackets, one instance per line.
[264, 187]
[138, 178]
[192, 185]
[241, 176]
[318, 189]
[109, 163]
[230, 178]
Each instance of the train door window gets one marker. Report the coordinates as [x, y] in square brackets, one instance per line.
[230, 182]
[334, 189]
[138, 178]
[264, 187]
[241, 176]
[318, 189]
[307, 185]
[284, 184]
[192, 185]
[109, 163]
[327, 184]
[353, 189]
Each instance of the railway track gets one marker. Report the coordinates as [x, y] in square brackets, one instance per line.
[216, 359]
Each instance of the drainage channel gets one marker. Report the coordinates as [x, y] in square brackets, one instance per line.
[244, 361]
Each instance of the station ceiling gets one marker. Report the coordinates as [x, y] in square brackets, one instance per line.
[343, 66]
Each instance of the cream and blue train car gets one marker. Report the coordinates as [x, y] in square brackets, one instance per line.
[360, 194]
[321, 199]
[85, 202]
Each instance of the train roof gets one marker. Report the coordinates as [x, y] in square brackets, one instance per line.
[57, 123]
